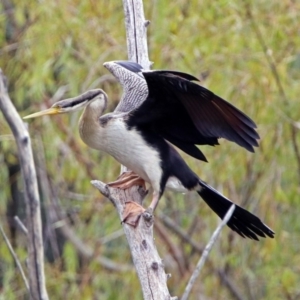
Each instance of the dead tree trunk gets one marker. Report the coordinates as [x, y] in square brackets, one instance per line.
[145, 257]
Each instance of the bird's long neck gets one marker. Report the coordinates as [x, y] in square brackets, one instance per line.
[89, 127]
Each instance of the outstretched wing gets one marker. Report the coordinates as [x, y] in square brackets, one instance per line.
[187, 114]
[135, 89]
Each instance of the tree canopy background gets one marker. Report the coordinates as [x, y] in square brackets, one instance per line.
[245, 51]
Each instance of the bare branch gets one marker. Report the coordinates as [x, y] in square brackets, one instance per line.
[206, 252]
[272, 65]
[169, 223]
[147, 262]
[136, 32]
[225, 279]
[172, 248]
[14, 255]
[50, 216]
[111, 237]
[20, 225]
[229, 284]
[88, 252]
[140, 239]
[32, 201]
[57, 216]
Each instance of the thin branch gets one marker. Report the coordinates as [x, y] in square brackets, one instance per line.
[88, 252]
[224, 278]
[276, 76]
[74, 145]
[110, 237]
[169, 223]
[206, 252]
[229, 284]
[46, 192]
[21, 225]
[296, 147]
[14, 255]
[81, 247]
[136, 32]
[267, 53]
[172, 248]
[58, 217]
[35, 241]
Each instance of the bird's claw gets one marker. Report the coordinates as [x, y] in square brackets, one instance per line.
[148, 214]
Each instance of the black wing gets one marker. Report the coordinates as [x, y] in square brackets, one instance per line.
[187, 114]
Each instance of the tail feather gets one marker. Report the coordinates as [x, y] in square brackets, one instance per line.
[242, 221]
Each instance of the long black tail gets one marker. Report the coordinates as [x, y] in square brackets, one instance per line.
[242, 221]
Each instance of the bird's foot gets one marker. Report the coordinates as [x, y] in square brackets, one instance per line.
[148, 214]
[127, 180]
[132, 213]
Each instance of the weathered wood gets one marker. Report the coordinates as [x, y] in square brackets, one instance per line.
[145, 257]
[147, 262]
[35, 242]
[136, 32]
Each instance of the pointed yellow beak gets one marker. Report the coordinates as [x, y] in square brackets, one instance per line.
[49, 111]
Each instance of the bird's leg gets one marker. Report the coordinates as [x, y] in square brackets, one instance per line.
[154, 202]
[133, 210]
[127, 180]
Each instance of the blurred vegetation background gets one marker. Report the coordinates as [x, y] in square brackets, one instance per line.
[245, 51]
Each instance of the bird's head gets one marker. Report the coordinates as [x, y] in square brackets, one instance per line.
[97, 98]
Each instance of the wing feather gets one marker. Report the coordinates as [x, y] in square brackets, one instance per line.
[187, 114]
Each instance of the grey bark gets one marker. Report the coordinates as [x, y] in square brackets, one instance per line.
[148, 264]
[136, 32]
[35, 242]
[145, 257]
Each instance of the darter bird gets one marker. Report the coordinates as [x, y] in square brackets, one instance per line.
[173, 110]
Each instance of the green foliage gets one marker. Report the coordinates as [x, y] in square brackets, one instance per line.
[46, 46]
